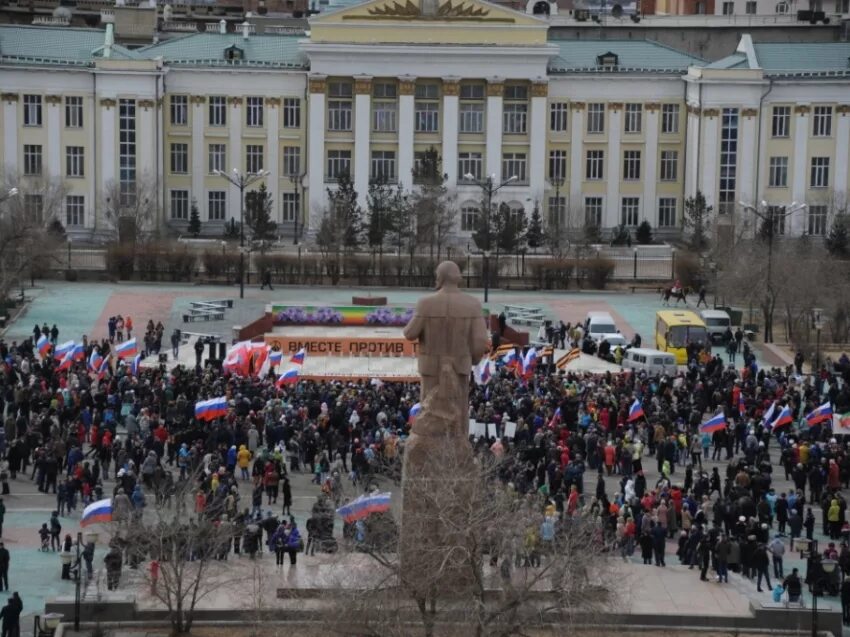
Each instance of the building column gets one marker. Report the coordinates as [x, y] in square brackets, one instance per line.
[362, 127]
[612, 174]
[234, 145]
[273, 152]
[10, 131]
[692, 151]
[315, 154]
[709, 159]
[55, 152]
[576, 163]
[198, 153]
[406, 90]
[842, 148]
[95, 175]
[108, 114]
[796, 222]
[747, 158]
[493, 162]
[537, 160]
[451, 115]
[650, 164]
[146, 141]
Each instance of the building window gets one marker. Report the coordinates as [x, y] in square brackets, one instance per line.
[179, 159]
[32, 110]
[127, 151]
[595, 165]
[514, 118]
[820, 172]
[472, 92]
[73, 112]
[383, 165]
[339, 106]
[559, 113]
[469, 164]
[750, 7]
[514, 165]
[179, 110]
[218, 110]
[427, 108]
[471, 117]
[634, 113]
[728, 161]
[179, 205]
[291, 160]
[339, 163]
[216, 205]
[669, 165]
[557, 165]
[778, 172]
[817, 220]
[593, 212]
[666, 212]
[781, 121]
[670, 119]
[728, 8]
[822, 121]
[74, 162]
[75, 210]
[289, 206]
[32, 159]
[254, 158]
[596, 118]
[631, 165]
[777, 215]
[291, 112]
[215, 155]
[557, 210]
[469, 217]
[254, 111]
[630, 211]
[34, 208]
[384, 116]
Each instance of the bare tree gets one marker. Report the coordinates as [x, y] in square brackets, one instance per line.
[432, 204]
[130, 208]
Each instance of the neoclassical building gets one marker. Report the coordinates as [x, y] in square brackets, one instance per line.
[603, 131]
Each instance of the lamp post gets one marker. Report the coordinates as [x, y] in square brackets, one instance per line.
[242, 181]
[771, 216]
[557, 182]
[828, 567]
[297, 180]
[77, 583]
[817, 317]
[489, 188]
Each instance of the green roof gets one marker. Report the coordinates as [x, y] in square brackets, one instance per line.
[52, 45]
[803, 57]
[208, 49]
[632, 55]
[734, 61]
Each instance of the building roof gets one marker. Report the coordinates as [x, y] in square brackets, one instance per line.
[208, 49]
[734, 61]
[52, 45]
[582, 56]
[778, 58]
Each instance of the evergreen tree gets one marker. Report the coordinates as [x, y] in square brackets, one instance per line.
[231, 230]
[838, 240]
[535, 235]
[510, 228]
[697, 219]
[194, 227]
[643, 234]
[258, 214]
[379, 202]
[435, 216]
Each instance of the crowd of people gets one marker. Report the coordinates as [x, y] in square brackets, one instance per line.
[134, 438]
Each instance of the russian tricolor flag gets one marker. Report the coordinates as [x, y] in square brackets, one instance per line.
[217, 407]
[715, 423]
[482, 371]
[95, 360]
[79, 352]
[275, 357]
[529, 361]
[509, 359]
[97, 513]
[364, 506]
[127, 349]
[769, 413]
[43, 345]
[298, 357]
[134, 366]
[66, 362]
[824, 412]
[289, 377]
[742, 408]
[104, 367]
[784, 418]
[635, 411]
[60, 350]
[414, 412]
[556, 418]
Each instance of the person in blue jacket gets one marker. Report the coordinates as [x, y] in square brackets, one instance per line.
[293, 542]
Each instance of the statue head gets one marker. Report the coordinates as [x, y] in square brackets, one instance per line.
[448, 275]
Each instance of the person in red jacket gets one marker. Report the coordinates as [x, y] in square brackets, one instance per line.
[610, 455]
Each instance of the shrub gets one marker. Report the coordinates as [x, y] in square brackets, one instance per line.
[688, 270]
[71, 275]
[643, 234]
[148, 261]
[119, 260]
[597, 271]
[179, 261]
[213, 262]
[552, 273]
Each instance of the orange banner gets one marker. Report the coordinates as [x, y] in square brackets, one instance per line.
[337, 346]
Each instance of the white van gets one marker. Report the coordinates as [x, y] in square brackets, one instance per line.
[600, 325]
[651, 361]
[716, 323]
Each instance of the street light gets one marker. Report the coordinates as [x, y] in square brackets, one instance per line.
[297, 180]
[828, 567]
[242, 181]
[489, 189]
[770, 216]
[817, 318]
